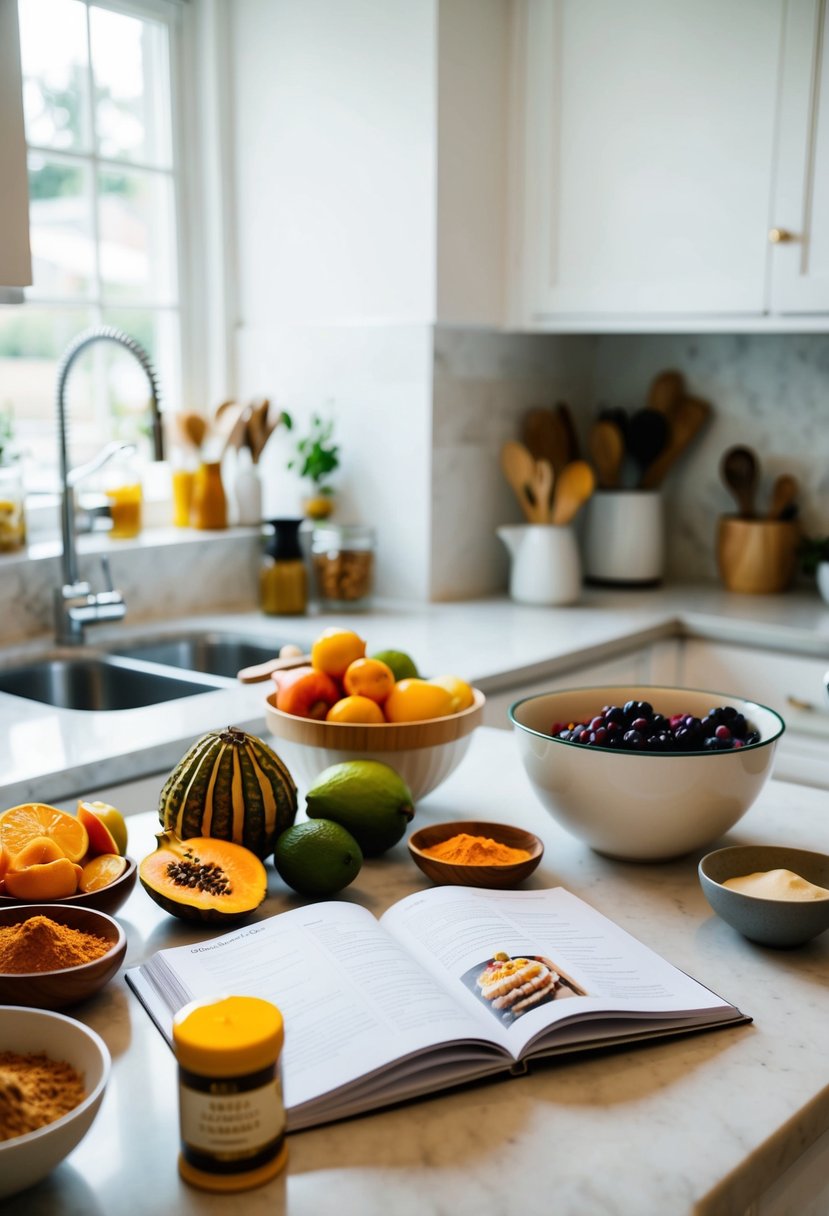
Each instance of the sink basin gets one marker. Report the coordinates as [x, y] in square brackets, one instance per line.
[99, 683]
[217, 654]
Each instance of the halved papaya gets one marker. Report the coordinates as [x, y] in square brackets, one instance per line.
[204, 879]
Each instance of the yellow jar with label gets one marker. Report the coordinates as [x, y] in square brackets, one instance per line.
[231, 1110]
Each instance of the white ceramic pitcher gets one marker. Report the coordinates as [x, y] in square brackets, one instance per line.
[546, 566]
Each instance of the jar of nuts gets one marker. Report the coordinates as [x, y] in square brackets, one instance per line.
[342, 557]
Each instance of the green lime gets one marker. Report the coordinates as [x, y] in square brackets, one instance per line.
[366, 797]
[402, 666]
[318, 857]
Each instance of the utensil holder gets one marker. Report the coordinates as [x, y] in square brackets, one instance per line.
[624, 538]
[546, 565]
[757, 556]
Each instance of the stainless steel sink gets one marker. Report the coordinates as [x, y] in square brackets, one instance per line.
[218, 654]
[100, 683]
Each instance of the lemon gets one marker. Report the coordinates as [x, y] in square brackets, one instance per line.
[417, 701]
[335, 649]
[403, 667]
[366, 797]
[460, 692]
[318, 857]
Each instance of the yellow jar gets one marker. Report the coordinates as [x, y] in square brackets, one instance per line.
[183, 481]
[283, 580]
[231, 1111]
[209, 501]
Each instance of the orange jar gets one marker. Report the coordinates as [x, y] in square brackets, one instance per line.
[209, 510]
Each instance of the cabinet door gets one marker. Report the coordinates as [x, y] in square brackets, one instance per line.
[15, 259]
[647, 133]
[799, 262]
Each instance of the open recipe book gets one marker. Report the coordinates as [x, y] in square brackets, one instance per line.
[451, 985]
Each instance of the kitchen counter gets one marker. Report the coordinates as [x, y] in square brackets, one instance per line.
[703, 1124]
[47, 753]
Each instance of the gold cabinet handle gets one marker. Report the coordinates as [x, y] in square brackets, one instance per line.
[779, 236]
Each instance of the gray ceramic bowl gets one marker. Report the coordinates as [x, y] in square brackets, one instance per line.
[771, 922]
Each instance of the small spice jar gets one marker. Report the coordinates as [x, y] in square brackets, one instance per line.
[342, 557]
[231, 1112]
[209, 506]
[283, 580]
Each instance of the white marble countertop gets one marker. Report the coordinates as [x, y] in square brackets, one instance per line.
[48, 753]
[698, 1125]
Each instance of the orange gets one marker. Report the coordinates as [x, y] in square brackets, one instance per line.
[41, 883]
[460, 692]
[416, 700]
[369, 678]
[101, 871]
[335, 649]
[355, 709]
[20, 824]
[35, 853]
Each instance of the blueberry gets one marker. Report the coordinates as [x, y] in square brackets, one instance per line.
[633, 740]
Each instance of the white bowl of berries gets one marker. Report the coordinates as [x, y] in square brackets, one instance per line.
[645, 773]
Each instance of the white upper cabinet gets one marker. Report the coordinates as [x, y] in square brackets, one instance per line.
[15, 259]
[657, 142]
[799, 255]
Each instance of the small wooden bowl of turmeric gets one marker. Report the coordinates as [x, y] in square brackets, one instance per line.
[55, 955]
[473, 853]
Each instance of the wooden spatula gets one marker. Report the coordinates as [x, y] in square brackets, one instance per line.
[263, 671]
[573, 488]
[783, 496]
[689, 417]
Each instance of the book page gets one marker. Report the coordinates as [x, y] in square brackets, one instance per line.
[530, 960]
[353, 1001]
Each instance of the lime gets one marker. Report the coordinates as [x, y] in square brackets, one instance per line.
[318, 857]
[403, 667]
[366, 797]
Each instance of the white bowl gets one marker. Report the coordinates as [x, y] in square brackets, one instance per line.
[24, 1160]
[642, 806]
[422, 753]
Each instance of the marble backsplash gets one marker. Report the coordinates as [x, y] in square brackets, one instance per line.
[768, 391]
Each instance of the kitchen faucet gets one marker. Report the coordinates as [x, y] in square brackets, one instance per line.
[76, 604]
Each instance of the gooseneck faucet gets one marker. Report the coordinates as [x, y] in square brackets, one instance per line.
[76, 605]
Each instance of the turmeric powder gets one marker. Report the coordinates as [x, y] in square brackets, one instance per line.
[34, 1091]
[41, 944]
[466, 850]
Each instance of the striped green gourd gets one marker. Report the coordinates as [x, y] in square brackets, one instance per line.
[230, 785]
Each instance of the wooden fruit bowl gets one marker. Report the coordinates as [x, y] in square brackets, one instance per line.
[56, 989]
[447, 873]
[108, 899]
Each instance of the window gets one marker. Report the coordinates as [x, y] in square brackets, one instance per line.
[103, 188]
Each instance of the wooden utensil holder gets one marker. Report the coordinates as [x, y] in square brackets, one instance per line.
[757, 556]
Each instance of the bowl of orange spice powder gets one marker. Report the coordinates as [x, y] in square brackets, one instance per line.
[54, 955]
[474, 853]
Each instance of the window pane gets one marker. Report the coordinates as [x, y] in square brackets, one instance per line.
[132, 99]
[60, 217]
[55, 73]
[136, 225]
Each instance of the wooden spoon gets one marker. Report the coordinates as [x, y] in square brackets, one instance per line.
[740, 472]
[666, 391]
[783, 495]
[567, 424]
[606, 446]
[193, 428]
[573, 488]
[518, 467]
[647, 434]
[545, 437]
[542, 488]
[689, 417]
[263, 671]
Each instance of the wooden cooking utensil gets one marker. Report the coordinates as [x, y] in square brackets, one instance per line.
[647, 434]
[666, 391]
[518, 467]
[257, 433]
[193, 428]
[574, 486]
[689, 417]
[783, 496]
[606, 447]
[542, 488]
[263, 671]
[568, 427]
[740, 472]
[545, 437]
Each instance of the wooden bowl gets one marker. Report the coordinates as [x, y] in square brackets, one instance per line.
[57, 989]
[449, 873]
[108, 899]
[422, 753]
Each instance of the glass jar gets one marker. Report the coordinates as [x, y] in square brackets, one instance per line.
[342, 557]
[283, 581]
[122, 487]
[12, 512]
[209, 509]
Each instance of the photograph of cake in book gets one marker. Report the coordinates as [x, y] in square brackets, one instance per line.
[509, 985]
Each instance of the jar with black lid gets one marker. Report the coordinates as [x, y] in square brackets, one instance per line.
[283, 579]
[342, 557]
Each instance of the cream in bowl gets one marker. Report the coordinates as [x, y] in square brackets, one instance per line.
[769, 893]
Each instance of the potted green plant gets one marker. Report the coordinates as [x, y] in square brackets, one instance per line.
[814, 560]
[316, 458]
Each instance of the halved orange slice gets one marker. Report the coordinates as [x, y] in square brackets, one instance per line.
[41, 883]
[21, 824]
[101, 871]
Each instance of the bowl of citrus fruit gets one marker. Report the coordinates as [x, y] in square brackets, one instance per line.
[347, 704]
[51, 856]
